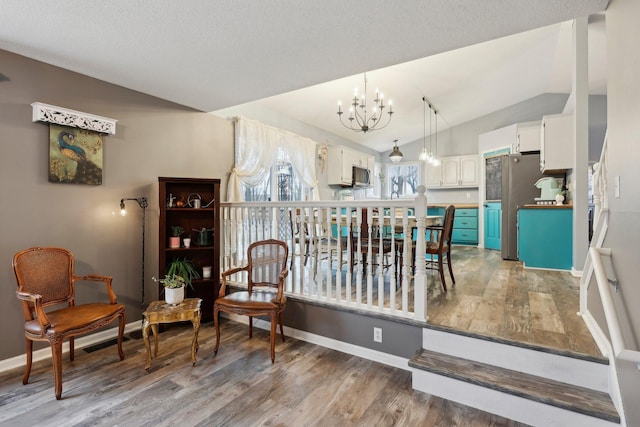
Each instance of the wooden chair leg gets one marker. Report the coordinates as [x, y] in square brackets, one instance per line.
[250, 327]
[56, 352]
[272, 336]
[27, 368]
[71, 348]
[450, 269]
[120, 335]
[281, 319]
[216, 321]
[441, 271]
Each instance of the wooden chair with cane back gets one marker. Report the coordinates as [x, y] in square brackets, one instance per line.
[266, 273]
[45, 278]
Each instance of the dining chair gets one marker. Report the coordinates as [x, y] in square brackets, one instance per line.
[45, 278]
[299, 235]
[437, 247]
[376, 238]
[265, 278]
[440, 247]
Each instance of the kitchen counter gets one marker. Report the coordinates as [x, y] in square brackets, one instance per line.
[457, 205]
[570, 206]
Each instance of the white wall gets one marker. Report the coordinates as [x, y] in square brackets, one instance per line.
[623, 89]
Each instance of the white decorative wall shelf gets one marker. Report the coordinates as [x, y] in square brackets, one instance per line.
[64, 116]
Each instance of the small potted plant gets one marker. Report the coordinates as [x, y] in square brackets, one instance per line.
[185, 269]
[174, 240]
[173, 288]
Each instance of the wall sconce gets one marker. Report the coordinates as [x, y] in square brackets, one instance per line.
[142, 202]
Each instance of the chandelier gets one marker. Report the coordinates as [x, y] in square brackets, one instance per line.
[361, 119]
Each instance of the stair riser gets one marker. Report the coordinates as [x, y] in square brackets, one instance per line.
[565, 369]
[496, 402]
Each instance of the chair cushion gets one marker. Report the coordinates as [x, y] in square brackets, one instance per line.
[78, 319]
[257, 299]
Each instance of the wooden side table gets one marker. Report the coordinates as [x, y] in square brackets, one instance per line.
[161, 312]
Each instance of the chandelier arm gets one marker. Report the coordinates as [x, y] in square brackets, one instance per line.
[350, 125]
[381, 127]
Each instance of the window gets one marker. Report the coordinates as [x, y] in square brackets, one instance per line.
[403, 179]
[377, 182]
[288, 186]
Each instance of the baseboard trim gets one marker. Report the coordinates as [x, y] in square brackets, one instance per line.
[80, 343]
[366, 353]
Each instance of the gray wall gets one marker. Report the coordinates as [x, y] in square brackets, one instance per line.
[154, 138]
[623, 87]
[398, 338]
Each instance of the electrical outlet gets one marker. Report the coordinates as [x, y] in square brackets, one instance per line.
[468, 195]
[377, 334]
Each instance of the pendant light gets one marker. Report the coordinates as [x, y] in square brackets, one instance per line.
[396, 155]
[424, 154]
[435, 160]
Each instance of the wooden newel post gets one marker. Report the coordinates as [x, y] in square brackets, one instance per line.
[420, 279]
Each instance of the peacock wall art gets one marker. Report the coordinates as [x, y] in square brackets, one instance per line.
[75, 155]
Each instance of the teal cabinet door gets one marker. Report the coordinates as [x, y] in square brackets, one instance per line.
[493, 225]
[545, 238]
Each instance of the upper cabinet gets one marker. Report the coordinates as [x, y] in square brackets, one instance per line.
[528, 137]
[340, 161]
[454, 172]
[556, 143]
[518, 137]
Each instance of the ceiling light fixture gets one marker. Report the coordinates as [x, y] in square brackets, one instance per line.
[359, 121]
[429, 156]
[396, 155]
[435, 161]
[424, 154]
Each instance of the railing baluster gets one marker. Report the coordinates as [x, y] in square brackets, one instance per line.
[244, 223]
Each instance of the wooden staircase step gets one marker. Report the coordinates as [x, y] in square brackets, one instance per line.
[566, 396]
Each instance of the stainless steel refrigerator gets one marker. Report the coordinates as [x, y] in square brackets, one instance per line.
[519, 174]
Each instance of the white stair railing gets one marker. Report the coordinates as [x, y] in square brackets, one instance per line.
[618, 344]
[328, 276]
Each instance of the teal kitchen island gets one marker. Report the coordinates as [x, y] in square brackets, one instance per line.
[545, 236]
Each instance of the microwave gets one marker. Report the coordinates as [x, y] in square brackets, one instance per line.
[360, 177]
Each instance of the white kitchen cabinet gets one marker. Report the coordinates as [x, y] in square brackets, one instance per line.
[450, 168]
[469, 171]
[528, 138]
[371, 163]
[556, 143]
[454, 172]
[340, 161]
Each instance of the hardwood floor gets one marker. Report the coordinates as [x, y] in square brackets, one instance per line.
[308, 385]
[502, 299]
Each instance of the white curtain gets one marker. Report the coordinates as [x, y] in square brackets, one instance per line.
[256, 149]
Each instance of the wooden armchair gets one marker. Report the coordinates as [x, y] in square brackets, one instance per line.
[266, 270]
[45, 277]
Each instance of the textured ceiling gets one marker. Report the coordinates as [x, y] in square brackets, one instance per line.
[210, 55]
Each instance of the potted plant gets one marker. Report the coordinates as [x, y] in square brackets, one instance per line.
[185, 269]
[174, 240]
[173, 288]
